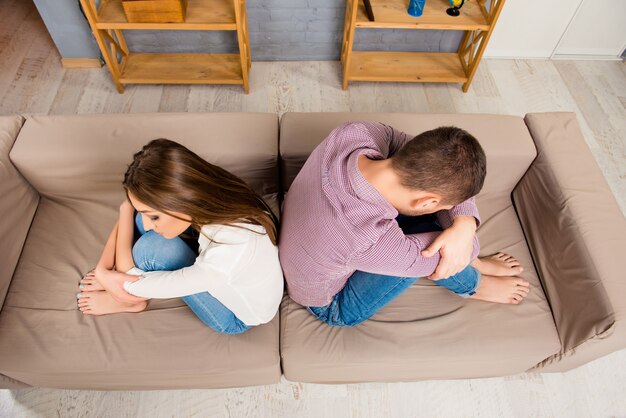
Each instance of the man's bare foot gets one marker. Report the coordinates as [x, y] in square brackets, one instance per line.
[102, 303]
[89, 283]
[501, 289]
[499, 264]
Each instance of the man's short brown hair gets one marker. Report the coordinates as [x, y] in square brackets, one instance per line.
[447, 160]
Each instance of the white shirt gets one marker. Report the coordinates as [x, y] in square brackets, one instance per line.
[238, 265]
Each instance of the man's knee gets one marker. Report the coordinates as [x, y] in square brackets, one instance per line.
[335, 317]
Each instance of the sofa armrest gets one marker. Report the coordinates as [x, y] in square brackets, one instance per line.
[9, 383]
[17, 205]
[577, 236]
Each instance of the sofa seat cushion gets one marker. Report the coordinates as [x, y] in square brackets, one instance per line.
[428, 332]
[77, 164]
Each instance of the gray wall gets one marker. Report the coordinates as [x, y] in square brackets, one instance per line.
[279, 30]
[68, 27]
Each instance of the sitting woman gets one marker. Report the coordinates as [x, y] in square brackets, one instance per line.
[200, 233]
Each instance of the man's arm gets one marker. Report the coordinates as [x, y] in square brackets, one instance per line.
[456, 246]
[467, 208]
[396, 254]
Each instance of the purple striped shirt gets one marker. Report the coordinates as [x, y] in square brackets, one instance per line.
[334, 222]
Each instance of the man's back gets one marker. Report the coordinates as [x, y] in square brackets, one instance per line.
[334, 222]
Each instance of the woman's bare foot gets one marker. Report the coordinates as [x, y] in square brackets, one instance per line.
[102, 303]
[89, 283]
[500, 264]
[501, 289]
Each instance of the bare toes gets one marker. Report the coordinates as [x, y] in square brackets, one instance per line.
[519, 296]
[522, 282]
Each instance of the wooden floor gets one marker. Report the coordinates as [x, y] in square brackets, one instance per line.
[33, 82]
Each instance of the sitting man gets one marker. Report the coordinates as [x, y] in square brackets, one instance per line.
[372, 210]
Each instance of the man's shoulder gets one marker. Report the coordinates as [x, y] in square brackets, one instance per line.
[351, 136]
[360, 127]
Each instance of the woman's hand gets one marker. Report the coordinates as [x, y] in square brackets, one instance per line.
[113, 282]
[456, 245]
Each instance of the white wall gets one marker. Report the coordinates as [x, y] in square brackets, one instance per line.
[531, 28]
[598, 29]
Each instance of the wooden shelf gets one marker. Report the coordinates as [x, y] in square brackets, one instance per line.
[201, 15]
[108, 22]
[477, 20]
[406, 67]
[182, 69]
[393, 14]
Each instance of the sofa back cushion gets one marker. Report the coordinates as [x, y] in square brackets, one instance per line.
[17, 205]
[85, 157]
[505, 139]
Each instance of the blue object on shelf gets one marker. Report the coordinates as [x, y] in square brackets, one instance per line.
[416, 7]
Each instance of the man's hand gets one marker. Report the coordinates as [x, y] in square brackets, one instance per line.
[113, 282]
[455, 245]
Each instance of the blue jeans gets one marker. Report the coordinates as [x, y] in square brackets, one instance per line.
[366, 293]
[152, 252]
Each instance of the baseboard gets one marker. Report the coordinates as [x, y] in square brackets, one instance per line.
[81, 63]
[586, 57]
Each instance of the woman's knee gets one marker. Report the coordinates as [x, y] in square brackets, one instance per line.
[152, 252]
[234, 330]
[231, 329]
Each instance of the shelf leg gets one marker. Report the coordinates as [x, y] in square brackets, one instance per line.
[240, 15]
[348, 39]
[244, 13]
[475, 42]
[90, 12]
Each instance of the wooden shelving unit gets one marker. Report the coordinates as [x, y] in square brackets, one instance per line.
[477, 19]
[108, 22]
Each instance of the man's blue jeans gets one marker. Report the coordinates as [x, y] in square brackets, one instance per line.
[152, 252]
[366, 293]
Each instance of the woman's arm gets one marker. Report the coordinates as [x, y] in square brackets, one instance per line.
[113, 282]
[124, 243]
[107, 259]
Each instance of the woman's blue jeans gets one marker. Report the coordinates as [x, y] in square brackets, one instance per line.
[152, 252]
[366, 293]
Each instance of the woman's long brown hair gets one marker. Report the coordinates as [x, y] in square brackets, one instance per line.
[170, 178]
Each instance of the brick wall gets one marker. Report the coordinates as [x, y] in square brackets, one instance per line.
[284, 30]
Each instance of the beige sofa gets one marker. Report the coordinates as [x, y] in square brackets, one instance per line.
[544, 200]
